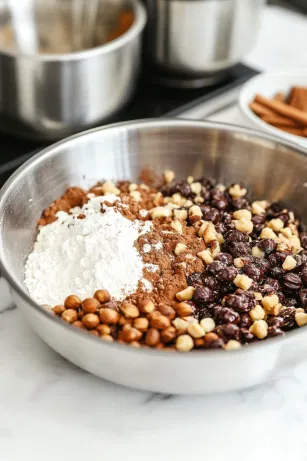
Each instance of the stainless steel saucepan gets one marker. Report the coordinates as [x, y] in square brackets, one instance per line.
[271, 168]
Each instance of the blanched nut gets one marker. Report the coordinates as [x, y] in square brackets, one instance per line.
[146, 306]
[238, 262]
[186, 294]
[236, 191]
[183, 309]
[268, 302]
[102, 296]
[208, 324]
[129, 310]
[244, 225]
[70, 315]
[136, 195]
[180, 324]
[160, 212]
[90, 321]
[257, 253]
[276, 224]
[268, 233]
[246, 214]
[205, 255]
[301, 318]
[196, 187]
[289, 263]
[243, 281]
[179, 248]
[72, 302]
[257, 313]
[196, 330]
[195, 211]
[109, 188]
[184, 343]
[232, 345]
[169, 176]
[259, 328]
[259, 206]
[177, 226]
[181, 214]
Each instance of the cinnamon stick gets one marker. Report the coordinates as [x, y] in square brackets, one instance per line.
[259, 109]
[292, 130]
[283, 109]
[279, 120]
[279, 97]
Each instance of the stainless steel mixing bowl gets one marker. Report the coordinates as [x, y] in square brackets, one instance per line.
[194, 42]
[50, 96]
[271, 168]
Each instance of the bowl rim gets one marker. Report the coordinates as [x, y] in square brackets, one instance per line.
[134, 30]
[257, 121]
[153, 122]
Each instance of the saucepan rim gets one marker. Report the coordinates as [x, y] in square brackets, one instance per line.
[149, 123]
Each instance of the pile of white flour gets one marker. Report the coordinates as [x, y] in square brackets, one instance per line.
[79, 256]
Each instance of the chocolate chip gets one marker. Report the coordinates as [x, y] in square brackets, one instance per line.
[202, 296]
[239, 203]
[277, 272]
[273, 283]
[303, 297]
[245, 321]
[225, 258]
[194, 279]
[304, 275]
[292, 281]
[226, 315]
[229, 331]
[253, 272]
[303, 238]
[210, 214]
[237, 302]
[246, 335]
[267, 246]
[210, 282]
[288, 318]
[238, 249]
[228, 274]
[216, 267]
[274, 331]
[236, 236]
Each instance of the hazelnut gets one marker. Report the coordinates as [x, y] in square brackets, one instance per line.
[167, 310]
[258, 296]
[70, 315]
[183, 309]
[135, 344]
[207, 324]
[78, 324]
[90, 321]
[301, 318]
[103, 330]
[215, 248]
[129, 310]
[131, 334]
[72, 302]
[108, 316]
[180, 248]
[168, 334]
[146, 306]
[93, 333]
[243, 281]
[58, 310]
[259, 328]
[107, 338]
[158, 200]
[141, 324]
[289, 263]
[184, 343]
[246, 214]
[160, 322]
[90, 305]
[185, 295]
[286, 232]
[152, 337]
[196, 330]
[102, 296]
[232, 345]
[202, 228]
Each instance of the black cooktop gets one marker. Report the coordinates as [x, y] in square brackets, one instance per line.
[150, 100]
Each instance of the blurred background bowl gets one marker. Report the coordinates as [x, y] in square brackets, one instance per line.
[65, 65]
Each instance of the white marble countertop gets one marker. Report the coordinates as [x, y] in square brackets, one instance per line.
[51, 410]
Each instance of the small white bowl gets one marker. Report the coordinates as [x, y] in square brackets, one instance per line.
[268, 84]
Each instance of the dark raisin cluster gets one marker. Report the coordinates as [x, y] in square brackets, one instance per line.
[216, 295]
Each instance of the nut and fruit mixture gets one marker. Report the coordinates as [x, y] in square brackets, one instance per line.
[230, 271]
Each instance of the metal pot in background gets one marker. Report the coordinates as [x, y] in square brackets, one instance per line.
[51, 87]
[194, 42]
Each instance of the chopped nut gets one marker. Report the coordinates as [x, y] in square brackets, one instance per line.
[161, 212]
[129, 310]
[244, 225]
[146, 306]
[208, 324]
[246, 214]
[276, 224]
[180, 248]
[181, 214]
[215, 248]
[183, 309]
[177, 226]
[180, 324]
[299, 309]
[209, 234]
[202, 228]
[259, 328]
[136, 195]
[178, 199]
[289, 263]
[259, 207]
[268, 233]
[196, 330]
[158, 200]
[243, 281]
[184, 343]
[286, 232]
[195, 211]
[276, 309]
[232, 345]
[237, 191]
[196, 187]
[185, 295]
[258, 296]
[220, 239]
[257, 253]
[268, 302]
[238, 262]
[205, 255]
[132, 187]
[301, 318]
[169, 176]
[199, 200]
[190, 179]
[109, 188]
[257, 313]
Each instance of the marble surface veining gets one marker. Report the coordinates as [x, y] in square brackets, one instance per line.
[51, 410]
